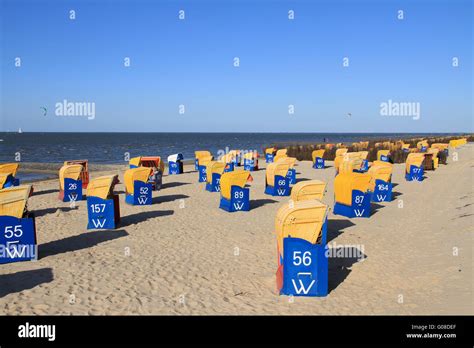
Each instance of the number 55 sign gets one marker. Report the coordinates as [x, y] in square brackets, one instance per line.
[17, 239]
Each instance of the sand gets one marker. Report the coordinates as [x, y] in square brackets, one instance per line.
[183, 255]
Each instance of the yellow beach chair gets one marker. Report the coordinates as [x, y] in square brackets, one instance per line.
[13, 201]
[383, 155]
[10, 170]
[70, 185]
[234, 195]
[18, 228]
[305, 190]
[318, 158]
[276, 179]
[301, 231]
[85, 170]
[381, 181]
[251, 161]
[214, 170]
[414, 166]
[102, 203]
[269, 154]
[137, 186]
[202, 155]
[351, 194]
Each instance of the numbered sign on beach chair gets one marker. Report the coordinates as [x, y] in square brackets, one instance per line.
[17, 225]
[157, 166]
[306, 190]
[8, 173]
[234, 195]
[301, 230]
[318, 159]
[276, 179]
[351, 195]
[137, 186]
[103, 207]
[414, 167]
[251, 161]
[70, 183]
[269, 154]
[201, 154]
[175, 164]
[214, 170]
[381, 181]
[85, 170]
[291, 174]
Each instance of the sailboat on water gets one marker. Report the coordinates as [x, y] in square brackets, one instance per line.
[20, 131]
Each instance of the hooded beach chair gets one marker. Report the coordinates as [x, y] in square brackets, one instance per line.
[422, 145]
[276, 179]
[339, 158]
[269, 154]
[202, 159]
[10, 170]
[214, 170]
[318, 158]
[352, 195]
[251, 161]
[17, 225]
[234, 195]
[383, 155]
[443, 152]
[236, 157]
[70, 183]
[291, 161]
[175, 164]
[137, 186]
[201, 154]
[352, 161]
[305, 190]
[414, 166]
[381, 181]
[85, 170]
[153, 162]
[406, 147]
[301, 230]
[103, 207]
[229, 160]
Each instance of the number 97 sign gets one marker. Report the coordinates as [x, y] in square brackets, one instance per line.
[305, 268]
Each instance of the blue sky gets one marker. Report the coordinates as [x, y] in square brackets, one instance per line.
[282, 62]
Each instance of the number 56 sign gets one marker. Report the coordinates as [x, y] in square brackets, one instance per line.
[305, 268]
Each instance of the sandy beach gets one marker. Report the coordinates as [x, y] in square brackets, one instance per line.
[184, 255]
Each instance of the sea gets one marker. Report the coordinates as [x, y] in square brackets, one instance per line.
[115, 148]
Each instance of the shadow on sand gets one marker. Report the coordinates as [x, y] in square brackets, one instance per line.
[140, 217]
[335, 228]
[257, 203]
[19, 281]
[340, 262]
[81, 241]
[168, 198]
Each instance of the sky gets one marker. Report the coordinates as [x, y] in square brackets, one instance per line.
[285, 64]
